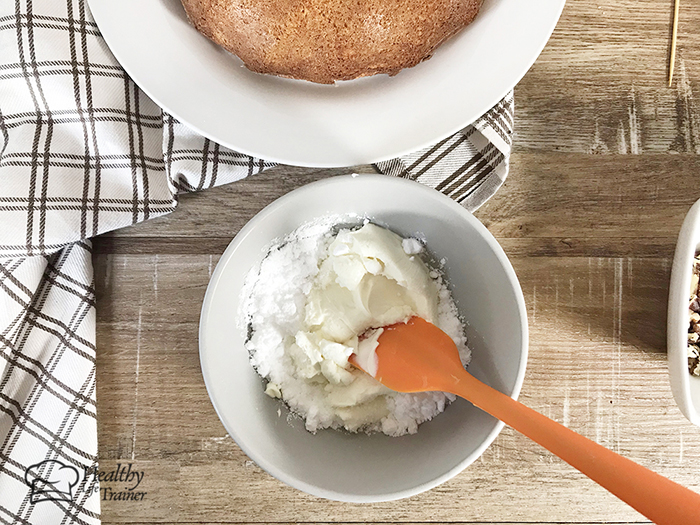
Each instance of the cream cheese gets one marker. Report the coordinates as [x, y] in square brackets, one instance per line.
[367, 281]
[366, 355]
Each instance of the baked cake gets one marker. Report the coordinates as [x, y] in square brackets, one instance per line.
[328, 40]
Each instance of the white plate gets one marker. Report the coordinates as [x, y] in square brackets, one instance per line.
[686, 388]
[296, 122]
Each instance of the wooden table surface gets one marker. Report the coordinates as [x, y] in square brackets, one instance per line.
[606, 163]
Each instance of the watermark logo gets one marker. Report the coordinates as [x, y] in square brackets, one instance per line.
[51, 480]
[123, 477]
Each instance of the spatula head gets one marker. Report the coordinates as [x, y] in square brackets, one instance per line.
[416, 356]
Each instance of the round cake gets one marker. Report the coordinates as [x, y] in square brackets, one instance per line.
[327, 40]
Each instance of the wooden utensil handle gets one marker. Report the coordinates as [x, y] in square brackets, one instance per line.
[656, 497]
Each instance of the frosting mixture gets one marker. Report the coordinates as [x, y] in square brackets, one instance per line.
[310, 299]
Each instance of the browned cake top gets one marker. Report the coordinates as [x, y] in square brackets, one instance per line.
[327, 40]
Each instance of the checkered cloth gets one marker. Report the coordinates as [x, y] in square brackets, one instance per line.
[84, 151]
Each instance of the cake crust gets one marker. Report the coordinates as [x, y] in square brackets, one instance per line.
[327, 40]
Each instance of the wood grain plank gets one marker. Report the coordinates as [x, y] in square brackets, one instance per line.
[653, 247]
[604, 168]
[579, 196]
[597, 363]
[552, 204]
[600, 84]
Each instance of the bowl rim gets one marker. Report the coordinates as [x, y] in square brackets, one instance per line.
[677, 322]
[293, 481]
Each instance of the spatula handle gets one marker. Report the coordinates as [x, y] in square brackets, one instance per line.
[656, 497]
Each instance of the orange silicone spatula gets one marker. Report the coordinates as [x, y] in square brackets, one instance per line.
[417, 356]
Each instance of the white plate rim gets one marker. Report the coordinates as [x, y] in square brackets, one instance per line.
[325, 156]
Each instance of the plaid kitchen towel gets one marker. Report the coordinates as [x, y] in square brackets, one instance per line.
[84, 151]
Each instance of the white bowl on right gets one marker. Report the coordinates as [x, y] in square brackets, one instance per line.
[686, 388]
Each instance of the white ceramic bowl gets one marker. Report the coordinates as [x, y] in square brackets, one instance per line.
[358, 467]
[686, 388]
